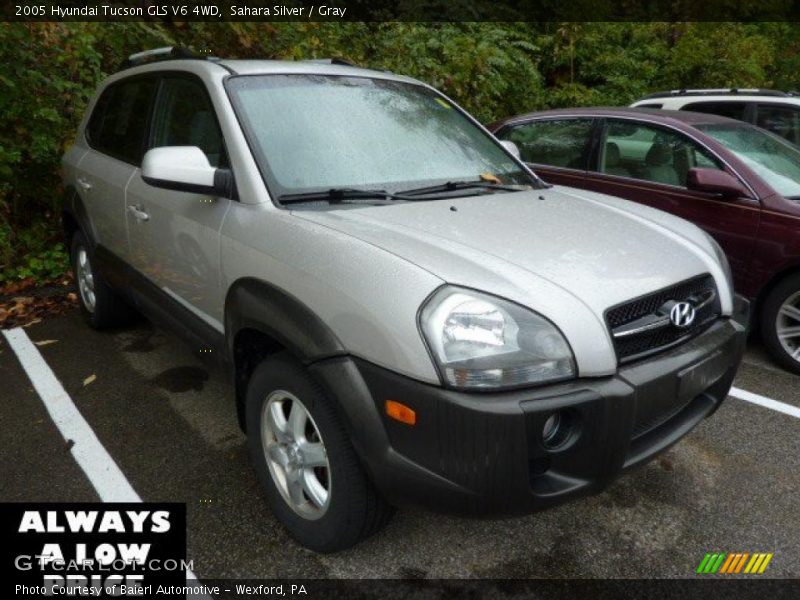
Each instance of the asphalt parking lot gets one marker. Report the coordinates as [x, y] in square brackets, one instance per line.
[168, 420]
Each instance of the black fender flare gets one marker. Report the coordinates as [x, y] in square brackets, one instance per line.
[285, 321]
[256, 304]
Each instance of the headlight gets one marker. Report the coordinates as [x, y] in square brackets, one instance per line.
[723, 260]
[480, 341]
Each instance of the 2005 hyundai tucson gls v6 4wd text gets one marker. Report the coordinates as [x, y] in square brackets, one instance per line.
[408, 314]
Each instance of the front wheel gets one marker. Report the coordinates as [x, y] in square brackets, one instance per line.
[303, 457]
[780, 323]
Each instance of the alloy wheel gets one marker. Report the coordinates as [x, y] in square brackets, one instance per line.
[296, 455]
[85, 277]
[787, 325]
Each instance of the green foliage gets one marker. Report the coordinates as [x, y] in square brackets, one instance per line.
[42, 257]
[720, 55]
[48, 73]
[482, 66]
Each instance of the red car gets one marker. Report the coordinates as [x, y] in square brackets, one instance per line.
[738, 182]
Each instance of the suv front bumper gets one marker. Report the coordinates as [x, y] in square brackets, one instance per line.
[483, 453]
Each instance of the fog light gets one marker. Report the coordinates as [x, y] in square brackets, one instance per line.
[556, 430]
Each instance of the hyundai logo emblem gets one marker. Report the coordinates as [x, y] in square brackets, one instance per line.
[682, 314]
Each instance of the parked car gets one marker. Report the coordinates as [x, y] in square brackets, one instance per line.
[408, 314]
[775, 111]
[741, 184]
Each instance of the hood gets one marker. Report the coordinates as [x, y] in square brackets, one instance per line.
[565, 253]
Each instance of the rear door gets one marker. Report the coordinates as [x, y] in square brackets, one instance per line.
[175, 235]
[116, 137]
[557, 149]
[649, 164]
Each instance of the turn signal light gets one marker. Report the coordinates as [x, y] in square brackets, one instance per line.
[400, 412]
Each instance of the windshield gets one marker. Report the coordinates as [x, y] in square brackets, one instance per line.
[776, 161]
[313, 132]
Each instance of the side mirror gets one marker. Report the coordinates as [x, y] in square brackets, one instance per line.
[511, 147]
[185, 169]
[714, 181]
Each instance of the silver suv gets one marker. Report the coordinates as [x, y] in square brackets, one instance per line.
[407, 313]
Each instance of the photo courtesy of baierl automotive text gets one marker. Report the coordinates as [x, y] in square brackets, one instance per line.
[315, 301]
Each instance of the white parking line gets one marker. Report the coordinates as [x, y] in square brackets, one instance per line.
[105, 476]
[782, 407]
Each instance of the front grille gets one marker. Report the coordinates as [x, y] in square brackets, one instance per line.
[648, 342]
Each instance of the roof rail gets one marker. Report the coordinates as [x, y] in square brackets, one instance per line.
[159, 54]
[717, 92]
[331, 61]
[343, 62]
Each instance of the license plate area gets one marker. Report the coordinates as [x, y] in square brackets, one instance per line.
[699, 377]
[660, 400]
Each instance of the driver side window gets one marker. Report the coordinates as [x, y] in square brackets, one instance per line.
[649, 153]
[185, 117]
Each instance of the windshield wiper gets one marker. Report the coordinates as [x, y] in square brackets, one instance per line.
[451, 186]
[335, 195]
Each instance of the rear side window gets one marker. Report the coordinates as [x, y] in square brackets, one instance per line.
[781, 120]
[184, 116]
[558, 142]
[650, 105]
[119, 121]
[732, 110]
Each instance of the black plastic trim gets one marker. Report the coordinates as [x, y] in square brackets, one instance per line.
[223, 185]
[264, 307]
[157, 305]
[483, 454]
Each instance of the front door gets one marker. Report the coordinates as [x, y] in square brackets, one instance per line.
[175, 235]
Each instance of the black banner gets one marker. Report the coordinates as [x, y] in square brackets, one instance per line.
[400, 10]
[85, 549]
[495, 589]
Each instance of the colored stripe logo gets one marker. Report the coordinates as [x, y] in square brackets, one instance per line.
[733, 563]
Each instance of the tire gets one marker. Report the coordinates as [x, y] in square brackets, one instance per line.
[352, 509]
[780, 314]
[101, 306]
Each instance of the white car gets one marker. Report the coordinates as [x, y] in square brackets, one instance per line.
[775, 111]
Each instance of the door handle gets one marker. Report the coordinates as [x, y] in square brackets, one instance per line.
[138, 213]
[84, 184]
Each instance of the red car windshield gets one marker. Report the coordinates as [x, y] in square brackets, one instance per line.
[774, 159]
